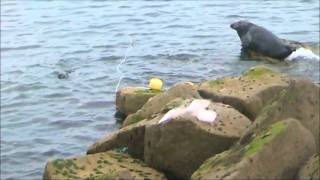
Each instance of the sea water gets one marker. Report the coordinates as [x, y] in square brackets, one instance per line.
[44, 117]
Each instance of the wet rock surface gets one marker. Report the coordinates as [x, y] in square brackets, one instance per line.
[311, 169]
[130, 99]
[276, 153]
[155, 104]
[300, 101]
[248, 93]
[109, 165]
[179, 146]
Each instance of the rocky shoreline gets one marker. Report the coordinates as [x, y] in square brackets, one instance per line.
[267, 127]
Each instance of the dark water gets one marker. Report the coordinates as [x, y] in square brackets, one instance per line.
[44, 117]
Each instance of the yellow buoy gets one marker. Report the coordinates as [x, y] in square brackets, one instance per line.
[155, 84]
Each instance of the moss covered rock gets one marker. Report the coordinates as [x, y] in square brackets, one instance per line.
[179, 146]
[311, 169]
[299, 101]
[102, 166]
[275, 153]
[248, 93]
[155, 104]
[130, 99]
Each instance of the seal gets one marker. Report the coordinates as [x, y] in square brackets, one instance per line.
[261, 40]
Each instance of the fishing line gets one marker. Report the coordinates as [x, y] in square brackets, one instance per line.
[122, 62]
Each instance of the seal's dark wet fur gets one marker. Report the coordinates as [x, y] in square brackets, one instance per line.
[260, 40]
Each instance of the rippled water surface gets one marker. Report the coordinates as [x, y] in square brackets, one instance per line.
[44, 117]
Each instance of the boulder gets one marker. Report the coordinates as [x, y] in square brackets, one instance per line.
[311, 169]
[130, 99]
[155, 104]
[248, 93]
[131, 136]
[109, 165]
[179, 146]
[299, 101]
[275, 153]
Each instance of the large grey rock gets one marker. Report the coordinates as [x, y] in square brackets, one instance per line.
[299, 101]
[311, 169]
[181, 145]
[130, 99]
[275, 153]
[131, 136]
[248, 93]
[102, 166]
[155, 104]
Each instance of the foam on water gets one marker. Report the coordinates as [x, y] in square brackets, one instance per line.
[302, 54]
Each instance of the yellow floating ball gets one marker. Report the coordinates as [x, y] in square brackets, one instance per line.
[155, 84]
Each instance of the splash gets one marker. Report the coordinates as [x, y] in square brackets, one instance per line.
[302, 54]
[122, 62]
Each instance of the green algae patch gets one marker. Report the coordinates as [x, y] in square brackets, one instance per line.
[135, 119]
[224, 159]
[111, 175]
[258, 72]
[147, 91]
[214, 83]
[173, 104]
[100, 166]
[61, 164]
[257, 143]
[317, 162]
[262, 119]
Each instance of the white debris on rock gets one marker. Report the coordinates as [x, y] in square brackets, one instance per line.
[197, 108]
[172, 114]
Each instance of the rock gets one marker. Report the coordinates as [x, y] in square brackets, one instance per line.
[131, 137]
[248, 93]
[109, 165]
[179, 146]
[276, 153]
[155, 104]
[311, 169]
[299, 101]
[130, 99]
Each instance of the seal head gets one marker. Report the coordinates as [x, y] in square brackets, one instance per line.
[242, 27]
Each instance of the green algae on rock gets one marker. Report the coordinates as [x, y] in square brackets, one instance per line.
[301, 101]
[259, 71]
[263, 157]
[101, 166]
[248, 93]
[131, 99]
[257, 143]
[311, 169]
[147, 91]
